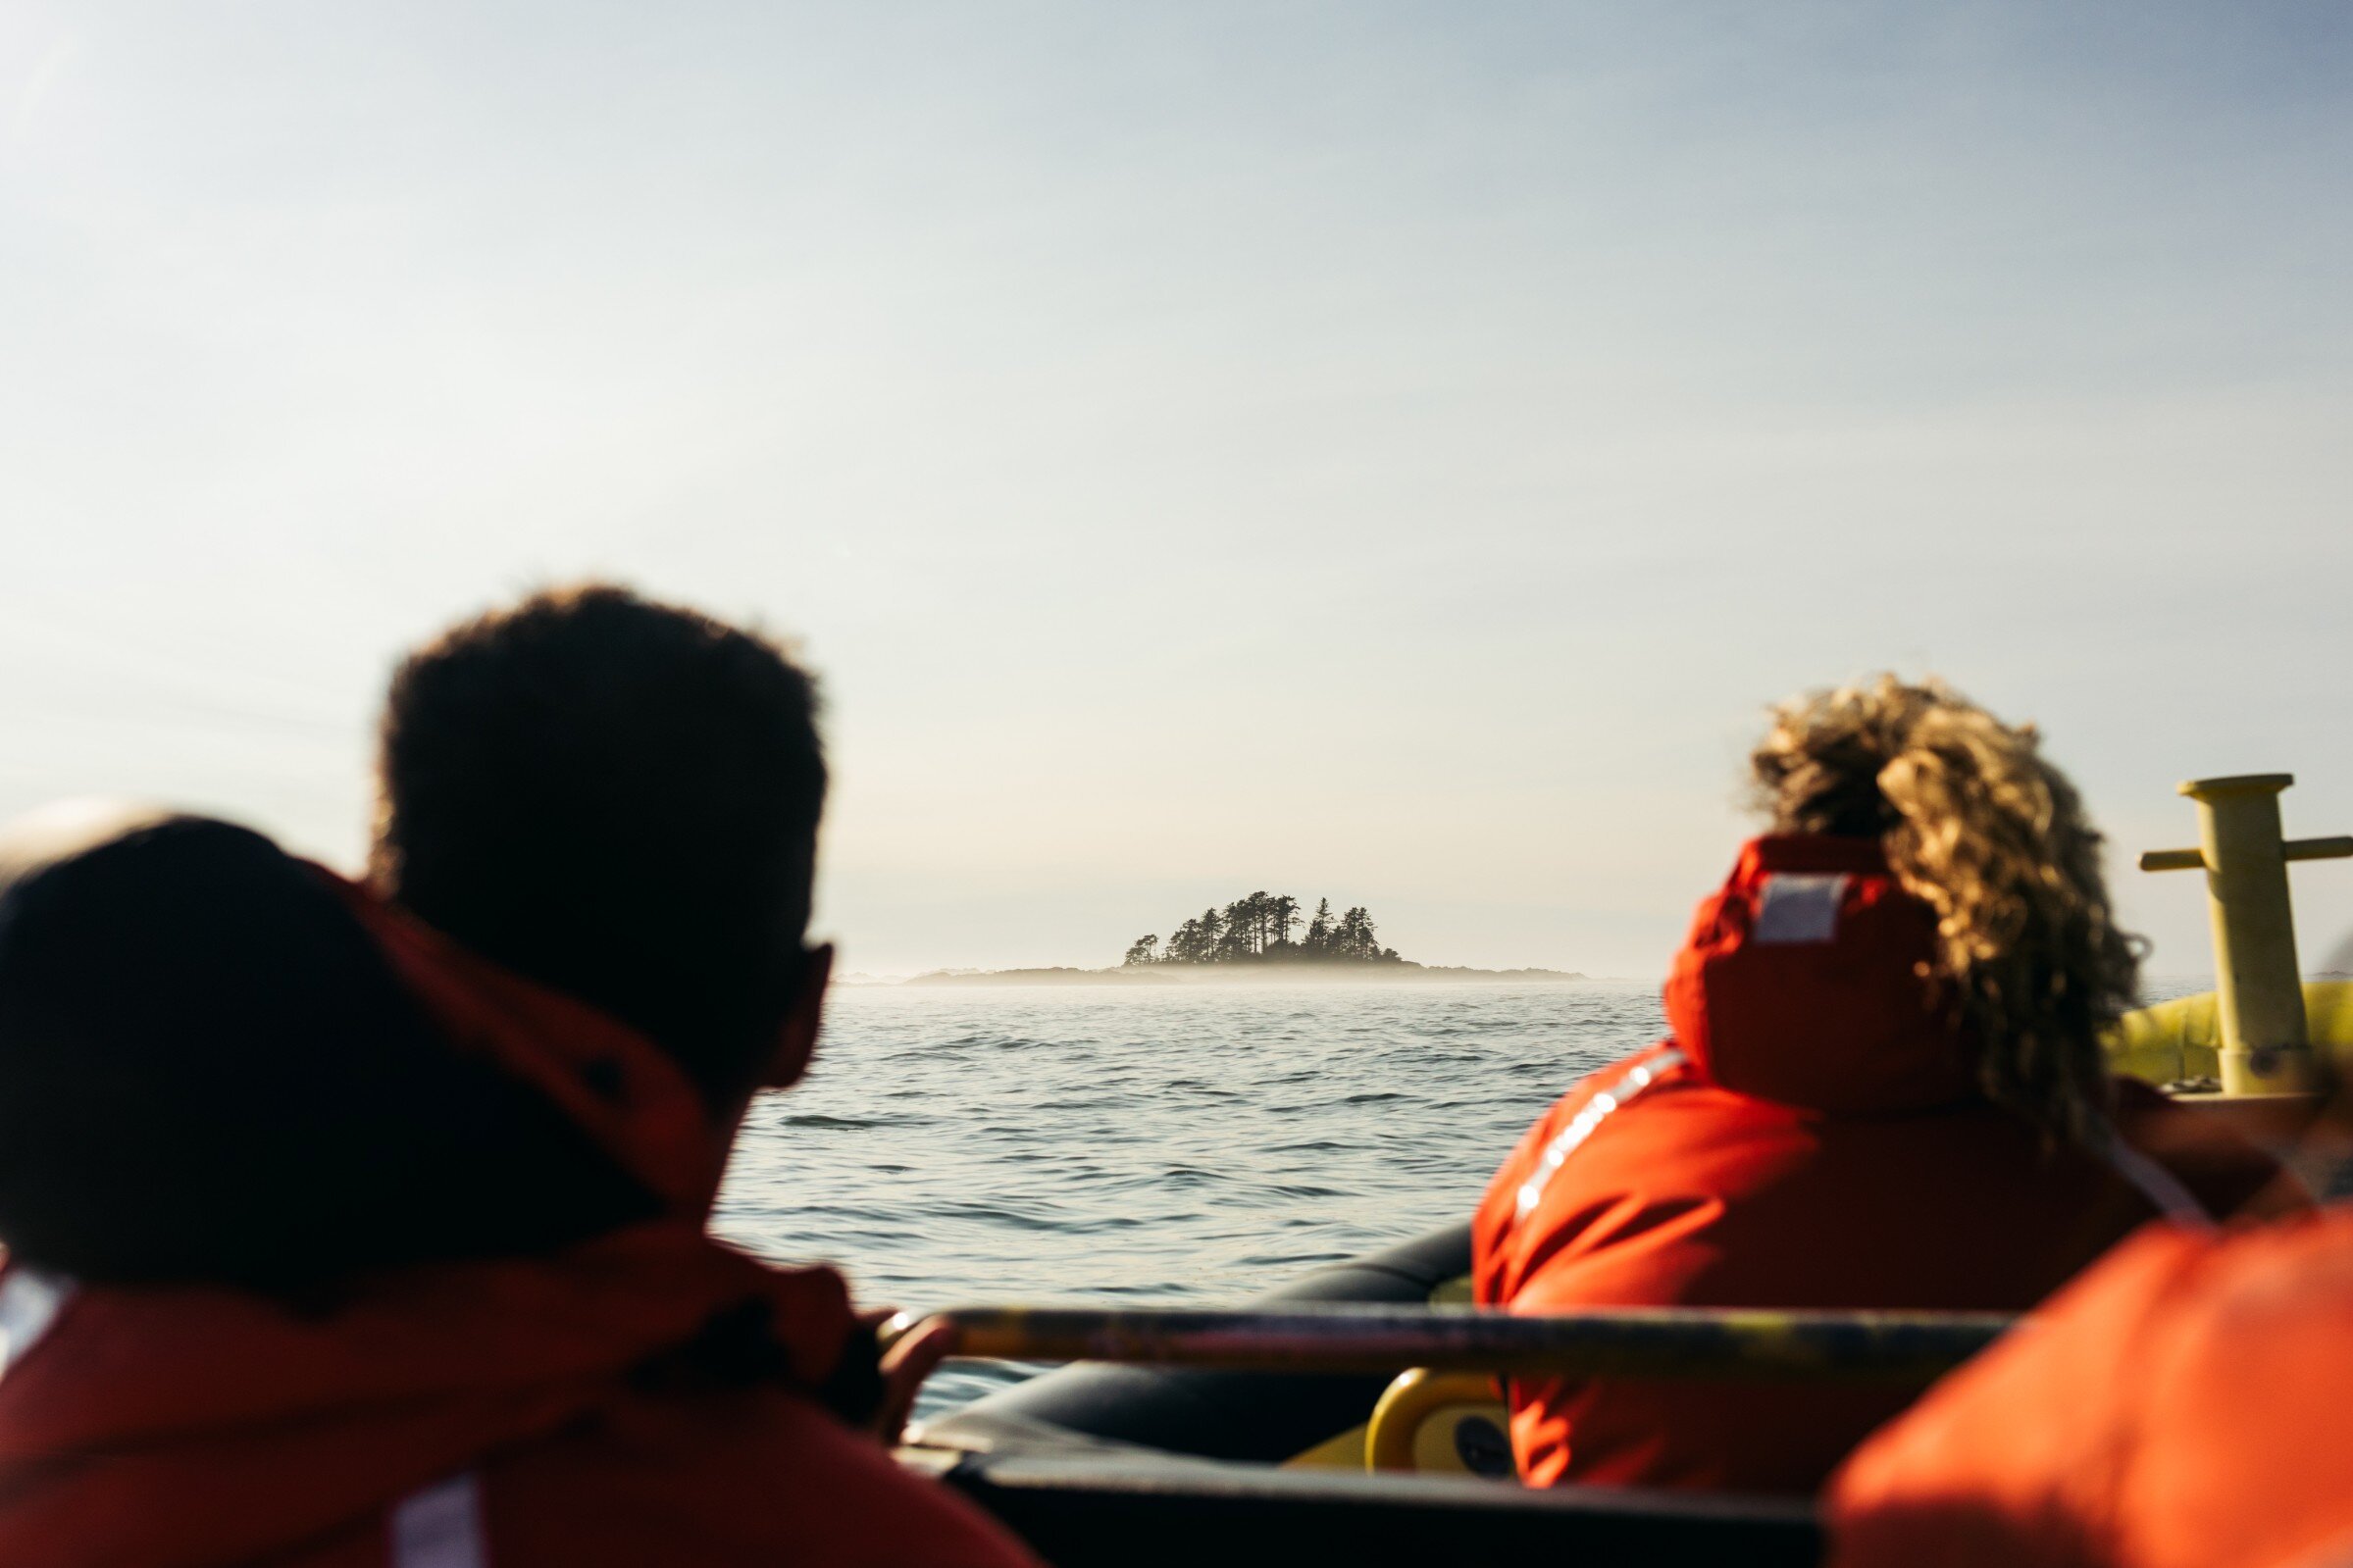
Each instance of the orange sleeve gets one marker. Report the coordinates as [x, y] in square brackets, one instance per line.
[2018, 1457]
[1498, 1251]
[1491, 1225]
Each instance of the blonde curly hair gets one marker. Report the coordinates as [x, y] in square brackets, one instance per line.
[1993, 839]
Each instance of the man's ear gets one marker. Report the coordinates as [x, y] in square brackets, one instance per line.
[797, 1035]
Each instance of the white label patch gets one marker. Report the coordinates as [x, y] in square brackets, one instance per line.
[29, 1303]
[441, 1527]
[1796, 908]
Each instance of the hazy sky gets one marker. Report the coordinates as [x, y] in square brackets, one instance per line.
[1390, 451]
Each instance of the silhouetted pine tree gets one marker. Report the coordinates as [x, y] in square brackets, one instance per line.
[1318, 942]
[1282, 917]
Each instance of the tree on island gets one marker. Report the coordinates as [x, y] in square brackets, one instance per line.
[1258, 930]
[1319, 928]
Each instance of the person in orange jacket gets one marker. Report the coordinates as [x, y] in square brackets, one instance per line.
[354, 1226]
[2184, 1404]
[1883, 1089]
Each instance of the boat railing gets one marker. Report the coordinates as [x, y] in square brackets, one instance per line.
[1887, 1347]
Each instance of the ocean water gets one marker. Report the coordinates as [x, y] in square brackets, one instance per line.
[1107, 1145]
[1110, 1145]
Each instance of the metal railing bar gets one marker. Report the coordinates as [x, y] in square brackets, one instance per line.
[1908, 1347]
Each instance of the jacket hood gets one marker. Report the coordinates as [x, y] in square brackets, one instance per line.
[1806, 980]
[219, 1065]
[174, 1426]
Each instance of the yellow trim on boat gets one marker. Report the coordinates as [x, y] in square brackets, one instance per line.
[2181, 1039]
[1343, 1452]
[1453, 1292]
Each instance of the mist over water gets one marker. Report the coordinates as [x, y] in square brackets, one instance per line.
[1136, 1145]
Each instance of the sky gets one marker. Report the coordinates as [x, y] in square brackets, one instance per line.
[1391, 452]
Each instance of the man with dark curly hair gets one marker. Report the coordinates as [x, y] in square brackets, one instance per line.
[365, 1224]
[618, 799]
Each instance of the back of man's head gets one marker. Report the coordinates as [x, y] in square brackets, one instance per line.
[619, 799]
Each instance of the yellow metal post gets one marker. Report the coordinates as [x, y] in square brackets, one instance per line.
[2258, 988]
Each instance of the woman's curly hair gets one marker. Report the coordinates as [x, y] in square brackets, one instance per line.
[1993, 839]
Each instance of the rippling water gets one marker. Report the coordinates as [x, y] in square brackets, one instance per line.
[1100, 1145]
[964, 1145]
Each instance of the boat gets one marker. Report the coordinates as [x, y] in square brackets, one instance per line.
[1349, 1416]
[1116, 1462]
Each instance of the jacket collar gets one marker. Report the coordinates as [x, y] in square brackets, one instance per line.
[616, 1084]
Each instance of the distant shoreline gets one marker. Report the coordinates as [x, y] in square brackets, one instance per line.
[1306, 974]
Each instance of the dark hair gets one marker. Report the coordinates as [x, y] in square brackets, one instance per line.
[616, 798]
[209, 1072]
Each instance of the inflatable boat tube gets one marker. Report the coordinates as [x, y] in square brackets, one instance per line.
[2175, 1041]
[1252, 1417]
[1137, 1466]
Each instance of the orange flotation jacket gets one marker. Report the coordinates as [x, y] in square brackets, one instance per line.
[1811, 1136]
[2185, 1404]
[651, 1396]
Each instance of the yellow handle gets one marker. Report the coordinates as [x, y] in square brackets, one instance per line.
[1412, 1399]
[2340, 848]
[2173, 860]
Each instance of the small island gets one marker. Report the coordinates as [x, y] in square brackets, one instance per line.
[1258, 930]
[1255, 939]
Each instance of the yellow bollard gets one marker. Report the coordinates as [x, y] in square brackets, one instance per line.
[2258, 988]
